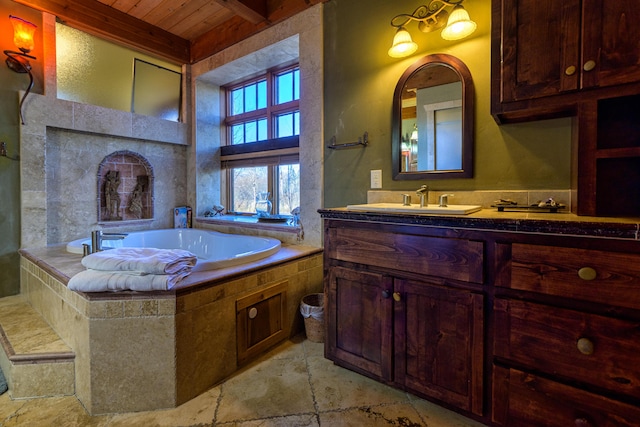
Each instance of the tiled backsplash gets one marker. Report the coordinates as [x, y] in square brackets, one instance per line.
[484, 198]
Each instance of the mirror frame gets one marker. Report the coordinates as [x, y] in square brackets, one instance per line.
[468, 121]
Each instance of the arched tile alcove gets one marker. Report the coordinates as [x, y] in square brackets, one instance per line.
[125, 187]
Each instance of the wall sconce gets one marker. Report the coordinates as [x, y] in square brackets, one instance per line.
[17, 61]
[431, 18]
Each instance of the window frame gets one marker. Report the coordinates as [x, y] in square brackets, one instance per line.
[273, 151]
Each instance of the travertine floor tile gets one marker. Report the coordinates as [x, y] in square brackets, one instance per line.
[338, 388]
[308, 420]
[199, 411]
[270, 388]
[9, 407]
[373, 416]
[437, 416]
[292, 386]
[54, 411]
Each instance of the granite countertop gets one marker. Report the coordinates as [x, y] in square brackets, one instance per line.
[491, 219]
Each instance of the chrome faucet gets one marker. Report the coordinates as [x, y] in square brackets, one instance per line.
[443, 200]
[423, 193]
[97, 236]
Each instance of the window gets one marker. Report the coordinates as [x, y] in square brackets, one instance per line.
[261, 154]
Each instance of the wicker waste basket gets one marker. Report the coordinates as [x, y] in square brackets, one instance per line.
[312, 310]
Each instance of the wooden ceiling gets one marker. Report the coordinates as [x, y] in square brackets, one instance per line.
[181, 31]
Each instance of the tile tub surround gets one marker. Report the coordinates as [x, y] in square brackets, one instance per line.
[146, 351]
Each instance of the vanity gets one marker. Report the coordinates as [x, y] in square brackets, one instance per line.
[509, 318]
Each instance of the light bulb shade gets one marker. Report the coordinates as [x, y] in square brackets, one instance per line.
[22, 33]
[459, 25]
[402, 44]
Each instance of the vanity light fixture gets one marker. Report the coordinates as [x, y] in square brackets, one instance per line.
[23, 31]
[430, 18]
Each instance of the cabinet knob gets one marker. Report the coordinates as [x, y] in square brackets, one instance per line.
[589, 65]
[386, 293]
[397, 297]
[570, 71]
[585, 346]
[253, 312]
[587, 273]
[582, 422]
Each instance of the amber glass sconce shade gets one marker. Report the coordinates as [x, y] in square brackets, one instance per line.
[431, 17]
[23, 32]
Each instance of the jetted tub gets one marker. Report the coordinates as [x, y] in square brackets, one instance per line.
[213, 249]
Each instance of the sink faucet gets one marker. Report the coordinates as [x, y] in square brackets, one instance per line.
[423, 193]
[97, 236]
[443, 200]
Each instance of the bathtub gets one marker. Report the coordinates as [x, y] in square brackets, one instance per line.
[213, 249]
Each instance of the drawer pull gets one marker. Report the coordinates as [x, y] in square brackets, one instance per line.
[582, 422]
[587, 273]
[570, 71]
[397, 297]
[253, 312]
[589, 65]
[585, 346]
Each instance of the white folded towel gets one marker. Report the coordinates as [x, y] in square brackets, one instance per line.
[102, 281]
[145, 260]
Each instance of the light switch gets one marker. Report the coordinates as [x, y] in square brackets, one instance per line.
[376, 178]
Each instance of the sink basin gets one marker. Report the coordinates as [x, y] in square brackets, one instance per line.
[416, 209]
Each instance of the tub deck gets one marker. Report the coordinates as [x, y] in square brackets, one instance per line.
[138, 351]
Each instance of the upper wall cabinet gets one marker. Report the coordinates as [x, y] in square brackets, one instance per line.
[548, 55]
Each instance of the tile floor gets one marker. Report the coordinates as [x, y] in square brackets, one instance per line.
[293, 385]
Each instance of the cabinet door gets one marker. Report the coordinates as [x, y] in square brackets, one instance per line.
[610, 42]
[540, 48]
[359, 321]
[439, 343]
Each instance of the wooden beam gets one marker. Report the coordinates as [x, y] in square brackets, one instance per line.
[101, 20]
[254, 11]
[237, 29]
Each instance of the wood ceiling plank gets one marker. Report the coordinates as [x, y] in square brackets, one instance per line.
[191, 13]
[121, 5]
[161, 10]
[142, 7]
[200, 22]
[237, 29]
[99, 19]
[254, 11]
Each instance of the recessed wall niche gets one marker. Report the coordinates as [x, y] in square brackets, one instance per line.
[125, 187]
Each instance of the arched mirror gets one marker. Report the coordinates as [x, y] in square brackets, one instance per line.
[433, 120]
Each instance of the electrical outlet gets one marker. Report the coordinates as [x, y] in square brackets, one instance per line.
[376, 179]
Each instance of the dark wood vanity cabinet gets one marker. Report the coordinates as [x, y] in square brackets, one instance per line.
[566, 336]
[511, 328]
[407, 308]
[546, 52]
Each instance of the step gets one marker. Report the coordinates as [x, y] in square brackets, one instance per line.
[33, 358]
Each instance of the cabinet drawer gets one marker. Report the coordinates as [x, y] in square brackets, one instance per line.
[584, 347]
[450, 258]
[591, 275]
[521, 399]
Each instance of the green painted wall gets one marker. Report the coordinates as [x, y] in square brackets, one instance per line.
[359, 82]
[10, 133]
[97, 72]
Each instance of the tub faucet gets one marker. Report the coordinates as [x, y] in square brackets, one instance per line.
[97, 236]
[423, 193]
